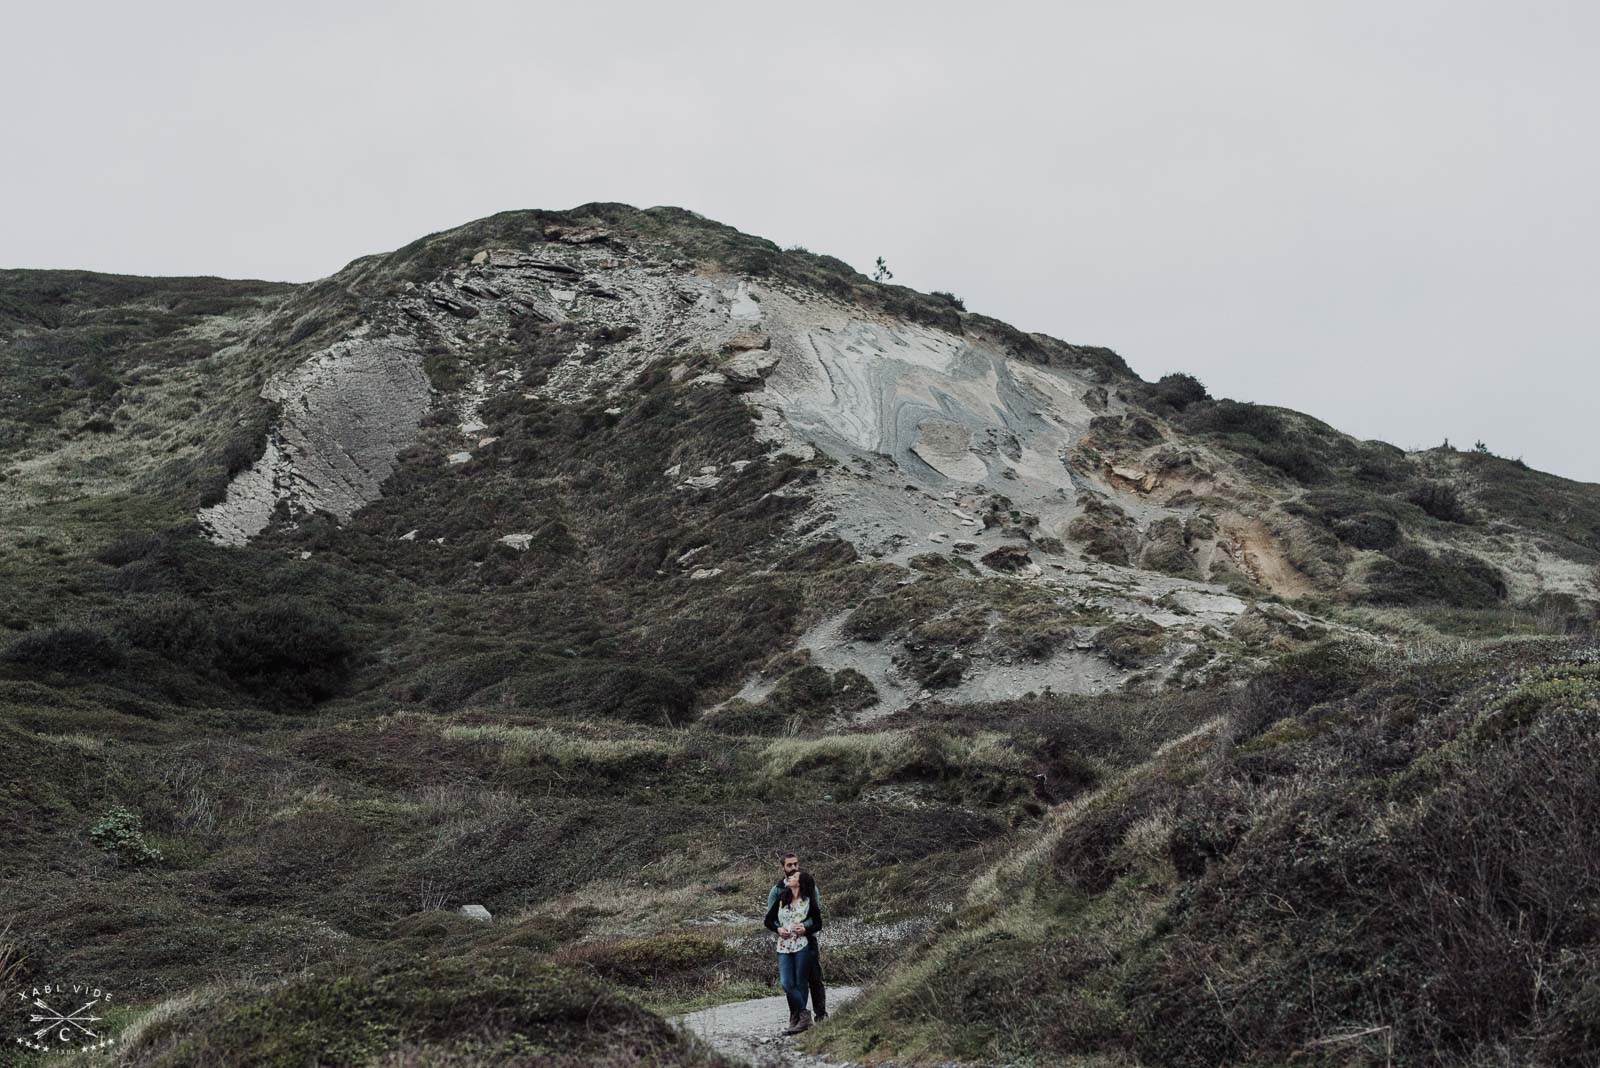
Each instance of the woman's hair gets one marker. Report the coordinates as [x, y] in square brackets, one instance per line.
[808, 888]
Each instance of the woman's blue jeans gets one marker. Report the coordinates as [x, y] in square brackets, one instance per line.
[794, 972]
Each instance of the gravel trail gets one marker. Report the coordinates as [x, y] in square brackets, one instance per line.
[751, 1031]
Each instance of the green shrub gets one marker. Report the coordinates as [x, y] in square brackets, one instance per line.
[448, 684]
[1104, 530]
[813, 691]
[120, 832]
[138, 576]
[935, 669]
[1357, 516]
[738, 716]
[1379, 463]
[1300, 447]
[984, 766]
[1567, 512]
[1458, 895]
[1404, 874]
[1300, 462]
[304, 329]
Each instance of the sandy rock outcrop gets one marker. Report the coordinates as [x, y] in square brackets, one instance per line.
[345, 415]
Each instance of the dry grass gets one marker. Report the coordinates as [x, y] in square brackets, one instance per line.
[11, 956]
[562, 748]
[883, 754]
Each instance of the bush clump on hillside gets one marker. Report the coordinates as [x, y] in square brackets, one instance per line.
[607, 690]
[1296, 683]
[1302, 448]
[1236, 417]
[1368, 530]
[1461, 926]
[172, 627]
[1131, 643]
[653, 959]
[1175, 391]
[1263, 434]
[1411, 575]
[285, 652]
[1357, 516]
[1441, 501]
[130, 547]
[69, 650]
[448, 683]
[120, 832]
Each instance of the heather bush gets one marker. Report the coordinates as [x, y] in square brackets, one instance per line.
[284, 652]
[130, 547]
[1177, 391]
[1441, 501]
[1412, 575]
[69, 650]
[1397, 866]
[175, 627]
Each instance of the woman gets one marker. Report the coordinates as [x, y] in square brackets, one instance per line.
[796, 917]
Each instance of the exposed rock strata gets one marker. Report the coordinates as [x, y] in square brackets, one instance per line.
[345, 414]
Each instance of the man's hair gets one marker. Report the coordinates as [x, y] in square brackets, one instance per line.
[787, 853]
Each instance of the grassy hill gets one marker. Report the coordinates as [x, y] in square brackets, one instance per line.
[1342, 817]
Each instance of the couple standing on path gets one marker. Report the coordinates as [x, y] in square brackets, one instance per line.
[794, 914]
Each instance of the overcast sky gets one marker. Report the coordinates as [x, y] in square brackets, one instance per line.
[1383, 214]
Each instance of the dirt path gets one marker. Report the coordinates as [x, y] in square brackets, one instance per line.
[751, 1031]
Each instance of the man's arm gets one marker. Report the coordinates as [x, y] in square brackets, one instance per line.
[813, 920]
[772, 904]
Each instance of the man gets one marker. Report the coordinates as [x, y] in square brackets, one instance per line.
[819, 996]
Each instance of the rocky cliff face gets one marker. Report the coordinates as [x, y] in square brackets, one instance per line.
[945, 445]
[939, 449]
[343, 417]
[939, 443]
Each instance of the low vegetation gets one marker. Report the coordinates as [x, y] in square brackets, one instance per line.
[495, 1006]
[1366, 861]
[262, 782]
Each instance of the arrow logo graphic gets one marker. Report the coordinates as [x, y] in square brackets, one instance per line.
[53, 1019]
